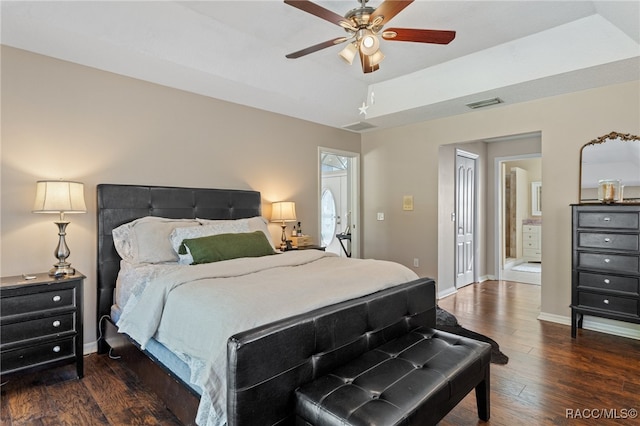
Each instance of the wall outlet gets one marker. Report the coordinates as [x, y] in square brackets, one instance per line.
[416, 262]
[380, 216]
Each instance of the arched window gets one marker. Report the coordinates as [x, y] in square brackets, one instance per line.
[328, 225]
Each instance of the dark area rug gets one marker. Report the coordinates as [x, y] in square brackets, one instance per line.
[446, 321]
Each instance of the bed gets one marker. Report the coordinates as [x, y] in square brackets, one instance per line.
[265, 358]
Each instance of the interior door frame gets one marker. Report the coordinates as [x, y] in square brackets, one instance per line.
[499, 206]
[353, 183]
[474, 157]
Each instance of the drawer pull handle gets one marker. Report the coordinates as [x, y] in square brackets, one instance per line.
[57, 298]
[607, 260]
[607, 219]
[56, 349]
[607, 281]
[607, 240]
[56, 323]
[606, 301]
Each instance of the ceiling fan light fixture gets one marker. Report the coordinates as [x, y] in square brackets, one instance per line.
[349, 52]
[369, 43]
[376, 58]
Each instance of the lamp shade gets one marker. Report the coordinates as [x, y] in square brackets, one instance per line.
[349, 52]
[57, 196]
[369, 43]
[283, 211]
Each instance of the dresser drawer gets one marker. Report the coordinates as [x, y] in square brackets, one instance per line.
[609, 262]
[629, 242]
[609, 303]
[32, 356]
[533, 229]
[527, 252]
[50, 326]
[609, 282]
[530, 243]
[51, 299]
[608, 220]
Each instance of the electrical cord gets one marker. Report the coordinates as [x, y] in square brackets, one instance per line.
[101, 337]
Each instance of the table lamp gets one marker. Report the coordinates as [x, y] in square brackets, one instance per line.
[283, 211]
[57, 196]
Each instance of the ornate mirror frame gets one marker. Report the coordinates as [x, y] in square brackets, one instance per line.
[613, 136]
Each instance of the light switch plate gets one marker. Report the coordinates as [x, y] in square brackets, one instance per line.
[380, 216]
[407, 202]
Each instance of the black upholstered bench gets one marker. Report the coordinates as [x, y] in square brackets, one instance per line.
[415, 379]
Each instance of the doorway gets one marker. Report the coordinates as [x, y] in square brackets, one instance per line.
[520, 218]
[339, 192]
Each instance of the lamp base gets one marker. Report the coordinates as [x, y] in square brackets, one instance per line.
[62, 270]
[283, 239]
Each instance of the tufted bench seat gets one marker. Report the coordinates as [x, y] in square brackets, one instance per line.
[415, 379]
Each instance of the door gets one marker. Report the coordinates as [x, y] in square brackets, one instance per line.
[338, 201]
[335, 214]
[465, 218]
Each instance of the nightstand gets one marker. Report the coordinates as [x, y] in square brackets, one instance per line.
[40, 323]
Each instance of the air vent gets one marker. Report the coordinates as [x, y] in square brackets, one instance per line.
[359, 126]
[485, 103]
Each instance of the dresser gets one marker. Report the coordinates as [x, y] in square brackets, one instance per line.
[40, 323]
[532, 242]
[605, 263]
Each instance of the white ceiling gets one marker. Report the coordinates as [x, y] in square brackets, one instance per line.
[235, 51]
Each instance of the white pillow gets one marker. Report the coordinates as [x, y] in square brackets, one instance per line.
[257, 223]
[146, 240]
[211, 228]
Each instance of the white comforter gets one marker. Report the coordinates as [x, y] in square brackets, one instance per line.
[195, 309]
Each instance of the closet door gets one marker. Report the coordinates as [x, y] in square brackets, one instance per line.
[465, 218]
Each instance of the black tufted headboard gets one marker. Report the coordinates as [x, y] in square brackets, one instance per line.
[118, 204]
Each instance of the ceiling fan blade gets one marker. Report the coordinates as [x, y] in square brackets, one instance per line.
[388, 9]
[317, 47]
[420, 36]
[316, 10]
[367, 67]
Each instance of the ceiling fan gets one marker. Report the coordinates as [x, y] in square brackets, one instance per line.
[364, 27]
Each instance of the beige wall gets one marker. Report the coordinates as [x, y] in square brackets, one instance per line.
[62, 120]
[405, 160]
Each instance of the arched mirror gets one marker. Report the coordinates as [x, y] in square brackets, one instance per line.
[615, 157]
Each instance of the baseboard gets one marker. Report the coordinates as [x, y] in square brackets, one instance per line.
[558, 319]
[89, 348]
[448, 292]
[602, 325]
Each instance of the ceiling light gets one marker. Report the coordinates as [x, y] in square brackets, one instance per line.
[484, 103]
[369, 43]
[376, 58]
[349, 52]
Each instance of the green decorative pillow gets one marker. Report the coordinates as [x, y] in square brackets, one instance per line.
[215, 248]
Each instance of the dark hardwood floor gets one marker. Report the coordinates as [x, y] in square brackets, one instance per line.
[548, 374]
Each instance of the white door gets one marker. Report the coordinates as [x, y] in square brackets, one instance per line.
[339, 192]
[333, 202]
[465, 214]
